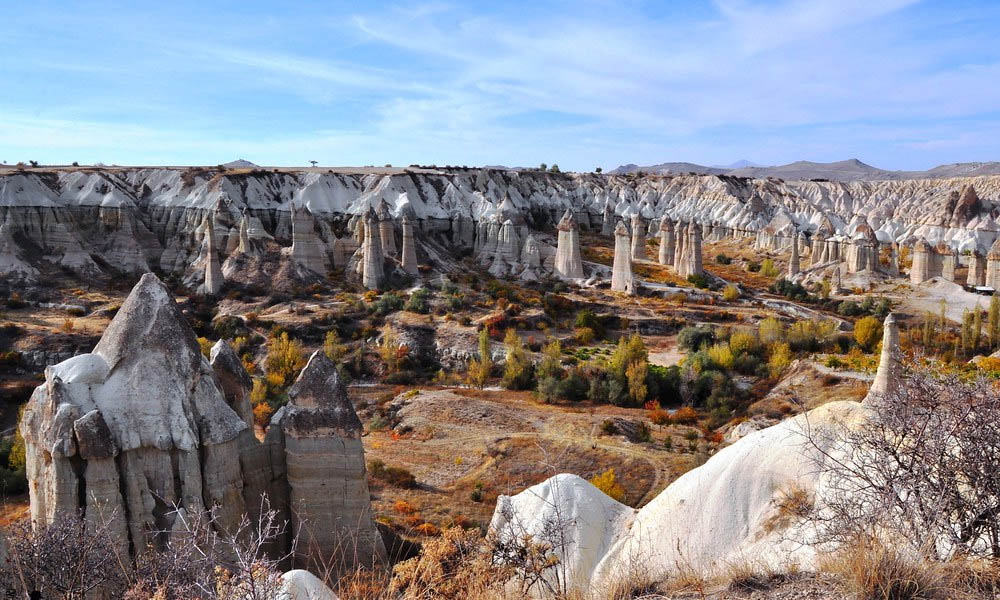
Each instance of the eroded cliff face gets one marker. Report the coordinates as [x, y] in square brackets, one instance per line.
[131, 220]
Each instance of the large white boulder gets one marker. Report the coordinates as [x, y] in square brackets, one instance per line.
[727, 511]
[299, 584]
[579, 520]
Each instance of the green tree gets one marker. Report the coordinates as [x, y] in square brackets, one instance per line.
[929, 331]
[825, 288]
[867, 332]
[636, 375]
[332, 347]
[977, 328]
[390, 349]
[966, 337]
[517, 373]
[770, 330]
[285, 358]
[993, 321]
[551, 363]
[480, 369]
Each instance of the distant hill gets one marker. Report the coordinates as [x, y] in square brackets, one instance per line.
[844, 170]
[240, 164]
[670, 168]
[740, 164]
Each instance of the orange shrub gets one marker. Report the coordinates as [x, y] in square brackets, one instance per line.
[403, 507]
[428, 529]
[414, 520]
[684, 416]
[262, 414]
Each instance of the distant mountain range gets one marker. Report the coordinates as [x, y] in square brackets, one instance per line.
[844, 170]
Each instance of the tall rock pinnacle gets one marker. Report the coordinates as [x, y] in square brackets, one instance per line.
[568, 261]
[621, 270]
[409, 258]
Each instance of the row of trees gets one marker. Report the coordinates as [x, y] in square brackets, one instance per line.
[624, 378]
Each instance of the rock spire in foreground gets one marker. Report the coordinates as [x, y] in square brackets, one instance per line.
[889, 365]
[568, 261]
[139, 424]
[328, 494]
[621, 271]
[144, 430]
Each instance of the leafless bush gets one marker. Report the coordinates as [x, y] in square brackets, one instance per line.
[922, 470]
[66, 559]
[201, 560]
[73, 557]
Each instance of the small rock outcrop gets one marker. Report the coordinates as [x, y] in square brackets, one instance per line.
[993, 266]
[409, 257]
[680, 239]
[621, 270]
[890, 365]
[328, 497]
[568, 261]
[688, 261]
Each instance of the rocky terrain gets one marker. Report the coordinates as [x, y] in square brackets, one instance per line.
[104, 221]
[396, 358]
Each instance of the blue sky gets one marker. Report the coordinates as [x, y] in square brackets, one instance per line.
[897, 83]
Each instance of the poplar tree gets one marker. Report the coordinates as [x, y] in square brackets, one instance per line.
[928, 337]
[993, 322]
[977, 328]
[966, 339]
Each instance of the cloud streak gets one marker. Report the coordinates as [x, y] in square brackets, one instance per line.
[897, 83]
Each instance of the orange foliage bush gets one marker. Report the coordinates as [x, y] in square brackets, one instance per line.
[684, 416]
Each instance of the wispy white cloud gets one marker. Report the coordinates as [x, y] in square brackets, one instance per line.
[583, 84]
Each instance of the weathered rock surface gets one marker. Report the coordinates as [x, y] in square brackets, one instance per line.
[568, 261]
[328, 495]
[135, 429]
[144, 429]
[409, 257]
[890, 365]
[713, 516]
[621, 270]
[133, 218]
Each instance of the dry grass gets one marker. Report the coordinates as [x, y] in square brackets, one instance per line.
[872, 570]
[793, 504]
